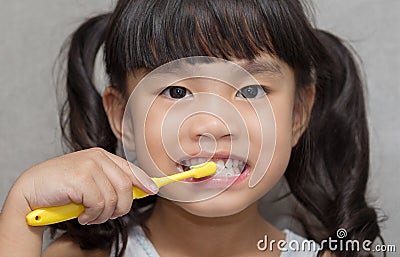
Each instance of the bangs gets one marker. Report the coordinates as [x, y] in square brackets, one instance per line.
[147, 34]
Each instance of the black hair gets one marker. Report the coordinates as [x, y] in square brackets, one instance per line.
[328, 169]
[333, 153]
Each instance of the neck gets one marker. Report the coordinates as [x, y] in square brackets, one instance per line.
[174, 229]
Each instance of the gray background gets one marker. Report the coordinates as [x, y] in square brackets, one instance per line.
[32, 33]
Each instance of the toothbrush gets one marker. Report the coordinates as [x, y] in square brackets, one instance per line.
[56, 214]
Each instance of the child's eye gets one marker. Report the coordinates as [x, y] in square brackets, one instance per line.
[176, 92]
[253, 91]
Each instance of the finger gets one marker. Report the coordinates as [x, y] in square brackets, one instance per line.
[109, 194]
[138, 177]
[121, 183]
[91, 179]
[86, 192]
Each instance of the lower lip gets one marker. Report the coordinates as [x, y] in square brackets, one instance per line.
[221, 181]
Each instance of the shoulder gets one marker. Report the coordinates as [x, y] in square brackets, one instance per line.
[65, 247]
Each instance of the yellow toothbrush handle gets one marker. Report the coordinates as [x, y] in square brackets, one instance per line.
[51, 215]
[138, 193]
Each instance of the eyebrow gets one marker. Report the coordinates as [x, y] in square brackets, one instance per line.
[270, 67]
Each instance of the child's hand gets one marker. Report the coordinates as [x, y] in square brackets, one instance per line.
[99, 180]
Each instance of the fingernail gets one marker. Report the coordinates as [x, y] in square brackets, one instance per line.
[152, 187]
[84, 219]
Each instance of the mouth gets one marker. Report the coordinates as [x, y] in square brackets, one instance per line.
[226, 167]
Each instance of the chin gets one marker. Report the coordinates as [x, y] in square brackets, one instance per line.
[216, 207]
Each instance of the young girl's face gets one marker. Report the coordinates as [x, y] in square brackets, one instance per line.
[173, 123]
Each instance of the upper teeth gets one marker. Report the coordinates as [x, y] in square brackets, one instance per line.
[228, 167]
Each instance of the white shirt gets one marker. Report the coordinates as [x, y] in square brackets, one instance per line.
[140, 246]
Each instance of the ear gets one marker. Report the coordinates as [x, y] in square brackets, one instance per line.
[114, 105]
[304, 102]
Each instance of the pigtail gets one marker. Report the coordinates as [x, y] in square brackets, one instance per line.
[83, 119]
[333, 153]
[84, 125]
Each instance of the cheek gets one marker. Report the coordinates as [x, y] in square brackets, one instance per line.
[147, 136]
[153, 135]
[271, 143]
[282, 103]
[270, 128]
[283, 121]
[152, 129]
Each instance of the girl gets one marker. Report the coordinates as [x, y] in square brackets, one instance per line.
[322, 147]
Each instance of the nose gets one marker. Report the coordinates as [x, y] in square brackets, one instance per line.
[206, 125]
